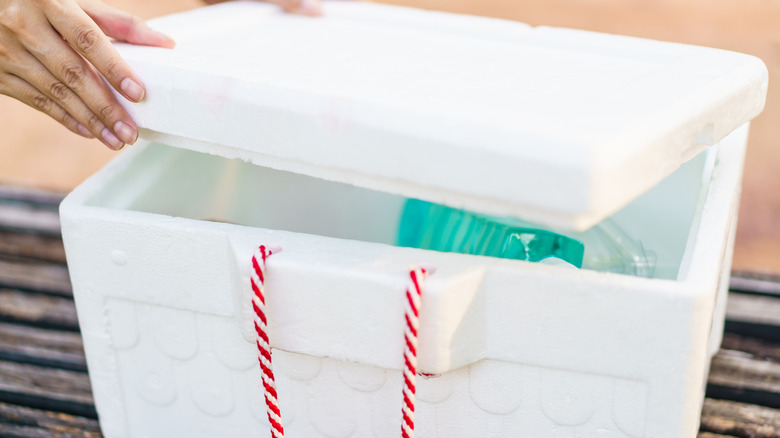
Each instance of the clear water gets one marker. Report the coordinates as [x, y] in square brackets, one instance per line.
[437, 227]
[605, 247]
[648, 238]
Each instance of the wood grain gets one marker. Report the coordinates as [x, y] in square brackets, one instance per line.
[43, 347]
[31, 247]
[39, 310]
[42, 277]
[755, 282]
[31, 217]
[755, 315]
[23, 422]
[46, 388]
[739, 419]
[738, 369]
[758, 348]
[32, 196]
[753, 308]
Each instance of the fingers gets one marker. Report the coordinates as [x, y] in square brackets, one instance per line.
[126, 27]
[312, 8]
[54, 56]
[86, 38]
[75, 85]
[19, 89]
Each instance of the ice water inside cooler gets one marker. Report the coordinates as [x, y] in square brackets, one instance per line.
[605, 247]
[438, 227]
[647, 238]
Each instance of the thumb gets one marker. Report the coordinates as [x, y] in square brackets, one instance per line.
[126, 27]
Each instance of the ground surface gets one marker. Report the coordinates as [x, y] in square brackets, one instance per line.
[45, 389]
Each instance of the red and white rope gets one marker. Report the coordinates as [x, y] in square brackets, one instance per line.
[414, 290]
[413, 298]
[263, 346]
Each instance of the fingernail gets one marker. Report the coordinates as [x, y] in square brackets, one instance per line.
[309, 7]
[163, 40]
[84, 131]
[132, 90]
[110, 140]
[125, 132]
[167, 41]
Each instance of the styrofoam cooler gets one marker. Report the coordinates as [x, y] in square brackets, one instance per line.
[266, 128]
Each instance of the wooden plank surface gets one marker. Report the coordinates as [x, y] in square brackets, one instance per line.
[29, 217]
[737, 375]
[755, 283]
[758, 348]
[45, 199]
[45, 390]
[24, 422]
[38, 309]
[754, 308]
[740, 419]
[31, 246]
[738, 369]
[35, 276]
[44, 347]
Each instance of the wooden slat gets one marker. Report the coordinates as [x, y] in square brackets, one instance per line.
[738, 376]
[44, 277]
[741, 370]
[756, 309]
[753, 315]
[21, 216]
[29, 379]
[54, 349]
[31, 196]
[38, 310]
[15, 245]
[46, 388]
[755, 283]
[758, 348]
[739, 419]
[18, 422]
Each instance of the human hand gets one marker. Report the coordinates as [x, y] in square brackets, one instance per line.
[311, 8]
[55, 55]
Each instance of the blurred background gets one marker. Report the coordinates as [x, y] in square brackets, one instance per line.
[37, 152]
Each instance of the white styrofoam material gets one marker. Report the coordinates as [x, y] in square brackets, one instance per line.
[512, 348]
[556, 126]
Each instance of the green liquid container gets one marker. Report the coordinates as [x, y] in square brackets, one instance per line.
[432, 226]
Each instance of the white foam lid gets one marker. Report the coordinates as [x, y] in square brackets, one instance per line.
[552, 125]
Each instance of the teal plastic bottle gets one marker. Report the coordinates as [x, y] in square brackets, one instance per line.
[432, 226]
[606, 247]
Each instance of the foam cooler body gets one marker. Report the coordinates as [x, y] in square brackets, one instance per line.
[310, 134]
